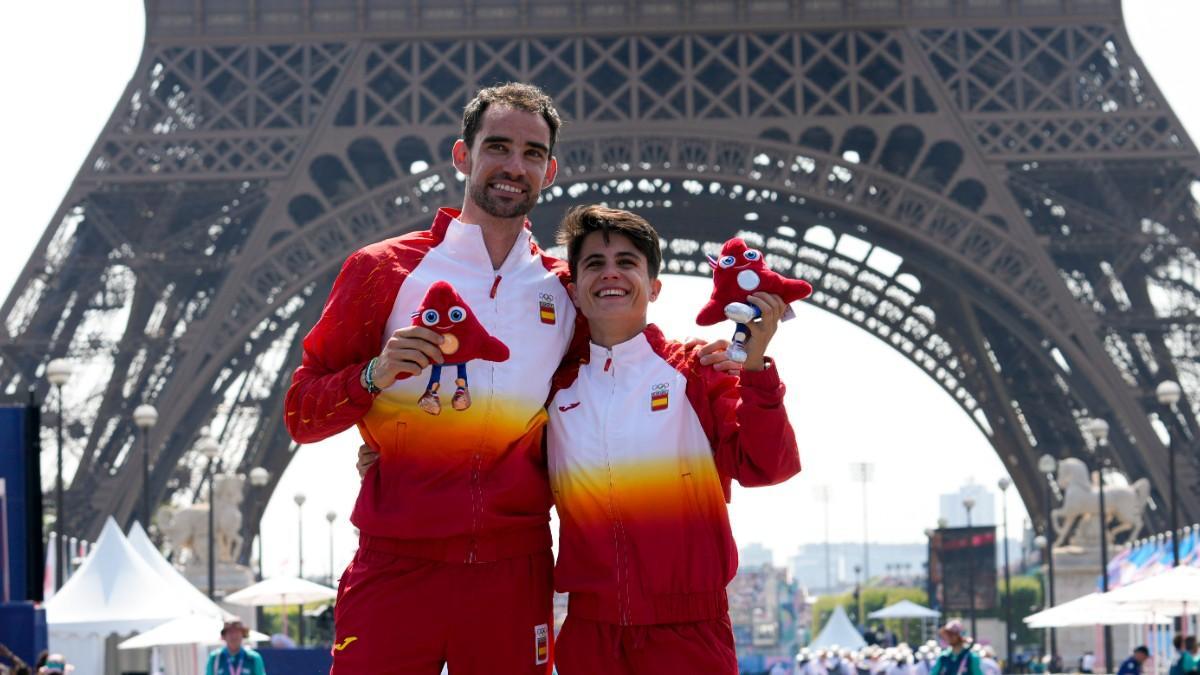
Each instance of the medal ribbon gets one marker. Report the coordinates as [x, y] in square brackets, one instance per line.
[231, 667]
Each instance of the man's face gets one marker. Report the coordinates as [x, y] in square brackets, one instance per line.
[509, 164]
[233, 638]
[1140, 657]
[612, 284]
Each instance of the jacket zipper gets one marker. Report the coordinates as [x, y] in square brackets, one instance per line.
[617, 525]
[477, 458]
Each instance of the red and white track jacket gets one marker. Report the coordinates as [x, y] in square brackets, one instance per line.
[643, 445]
[466, 475]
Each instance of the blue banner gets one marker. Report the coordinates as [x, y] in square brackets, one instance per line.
[23, 504]
[1150, 556]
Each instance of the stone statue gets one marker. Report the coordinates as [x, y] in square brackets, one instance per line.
[187, 531]
[1081, 498]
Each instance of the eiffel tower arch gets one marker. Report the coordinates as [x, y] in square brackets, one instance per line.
[994, 188]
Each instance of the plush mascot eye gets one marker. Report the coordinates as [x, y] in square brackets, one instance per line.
[727, 261]
[752, 255]
[457, 314]
[430, 317]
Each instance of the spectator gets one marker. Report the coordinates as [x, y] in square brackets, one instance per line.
[1133, 664]
[234, 658]
[957, 659]
[56, 664]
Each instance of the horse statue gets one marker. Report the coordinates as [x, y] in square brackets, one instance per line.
[187, 528]
[1081, 497]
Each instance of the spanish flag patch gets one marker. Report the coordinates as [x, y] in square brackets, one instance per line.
[541, 643]
[546, 309]
[659, 397]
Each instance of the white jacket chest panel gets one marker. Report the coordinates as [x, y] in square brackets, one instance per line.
[528, 310]
[631, 426]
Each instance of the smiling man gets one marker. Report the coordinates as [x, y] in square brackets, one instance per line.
[454, 563]
[643, 445]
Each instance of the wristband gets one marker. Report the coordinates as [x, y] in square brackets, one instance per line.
[368, 377]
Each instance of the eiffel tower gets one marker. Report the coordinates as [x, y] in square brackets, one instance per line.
[994, 188]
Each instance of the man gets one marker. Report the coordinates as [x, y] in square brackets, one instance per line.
[234, 658]
[643, 446]
[988, 662]
[957, 658]
[1087, 662]
[454, 560]
[1185, 664]
[1133, 664]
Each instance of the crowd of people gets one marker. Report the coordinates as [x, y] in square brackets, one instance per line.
[959, 657]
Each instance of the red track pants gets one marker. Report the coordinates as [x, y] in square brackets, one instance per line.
[592, 648]
[400, 615]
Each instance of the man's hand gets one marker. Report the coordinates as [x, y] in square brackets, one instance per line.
[761, 331]
[409, 351]
[366, 457]
[713, 354]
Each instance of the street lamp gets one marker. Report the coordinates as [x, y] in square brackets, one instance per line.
[824, 494]
[1168, 393]
[931, 600]
[1098, 430]
[208, 447]
[1047, 465]
[58, 372]
[858, 597]
[330, 516]
[968, 504]
[259, 477]
[862, 473]
[145, 416]
[1003, 484]
[1042, 543]
[299, 499]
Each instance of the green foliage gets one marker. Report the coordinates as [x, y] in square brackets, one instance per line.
[873, 599]
[1026, 599]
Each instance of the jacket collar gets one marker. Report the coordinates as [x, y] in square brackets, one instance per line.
[464, 242]
[639, 346]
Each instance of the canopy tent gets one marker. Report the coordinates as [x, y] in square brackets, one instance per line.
[190, 598]
[114, 591]
[1092, 610]
[1172, 593]
[281, 591]
[905, 609]
[180, 645]
[838, 632]
[193, 629]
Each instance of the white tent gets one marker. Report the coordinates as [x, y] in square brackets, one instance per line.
[191, 599]
[182, 644]
[114, 591]
[190, 630]
[905, 609]
[1093, 609]
[1173, 592]
[838, 632]
[281, 591]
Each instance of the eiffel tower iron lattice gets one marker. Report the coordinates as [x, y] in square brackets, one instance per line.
[994, 188]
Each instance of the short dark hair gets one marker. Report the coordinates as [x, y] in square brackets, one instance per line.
[515, 95]
[1144, 650]
[584, 220]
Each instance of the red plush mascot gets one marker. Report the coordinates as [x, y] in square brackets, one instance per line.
[739, 272]
[463, 338]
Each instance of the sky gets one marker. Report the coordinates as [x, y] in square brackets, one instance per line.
[851, 398]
